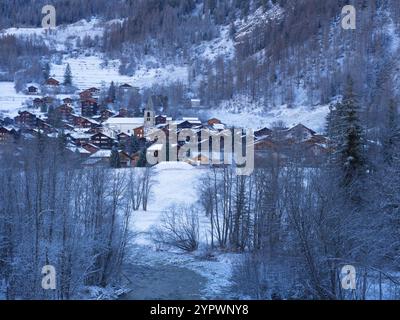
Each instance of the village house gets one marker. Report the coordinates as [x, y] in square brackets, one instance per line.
[106, 114]
[7, 133]
[79, 138]
[126, 87]
[26, 119]
[89, 107]
[82, 122]
[32, 90]
[114, 126]
[37, 103]
[68, 102]
[52, 82]
[65, 111]
[102, 141]
[90, 147]
[213, 121]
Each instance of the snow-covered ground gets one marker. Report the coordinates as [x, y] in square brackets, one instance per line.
[92, 71]
[242, 113]
[63, 36]
[10, 100]
[175, 184]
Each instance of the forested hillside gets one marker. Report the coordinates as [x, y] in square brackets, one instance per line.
[273, 52]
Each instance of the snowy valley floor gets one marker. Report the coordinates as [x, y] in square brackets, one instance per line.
[154, 273]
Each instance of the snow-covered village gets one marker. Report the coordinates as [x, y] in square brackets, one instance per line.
[199, 150]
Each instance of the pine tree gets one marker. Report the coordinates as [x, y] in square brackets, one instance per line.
[351, 147]
[46, 71]
[68, 76]
[115, 161]
[134, 147]
[391, 134]
[112, 92]
[142, 162]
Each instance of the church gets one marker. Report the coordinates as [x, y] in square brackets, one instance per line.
[130, 126]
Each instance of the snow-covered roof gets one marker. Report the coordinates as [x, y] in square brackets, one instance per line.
[101, 154]
[127, 121]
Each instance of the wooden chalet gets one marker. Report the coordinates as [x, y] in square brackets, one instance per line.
[32, 90]
[102, 141]
[106, 114]
[26, 118]
[264, 132]
[89, 107]
[82, 122]
[86, 94]
[160, 120]
[38, 103]
[52, 82]
[7, 134]
[139, 132]
[213, 121]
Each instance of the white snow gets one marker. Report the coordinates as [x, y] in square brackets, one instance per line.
[10, 100]
[63, 36]
[221, 46]
[241, 112]
[93, 71]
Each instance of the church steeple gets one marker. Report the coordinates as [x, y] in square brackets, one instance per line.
[149, 114]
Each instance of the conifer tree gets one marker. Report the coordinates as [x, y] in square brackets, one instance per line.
[68, 76]
[115, 160]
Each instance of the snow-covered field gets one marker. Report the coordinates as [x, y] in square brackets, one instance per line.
[10, 100]
[63, 37]
[92, 71]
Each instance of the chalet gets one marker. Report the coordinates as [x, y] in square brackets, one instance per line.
[37, 103]
[188, 123]
[44, 126]
[25, 118]
[299, 133]
[126, 125]
[126, 160]
[102, 141]
[95, 129]
[126, 87]
[89, 107]
[79, 138]
[7, 134]
[213, 121]
[84, 95]
[90, 147]
[78, 150]
[264, 132]
[123, 113]
[32, 90]
[65, 111]
[82, 122]
[68, 102]
[139, 132]
[99, 158]
[160, 120]
[123, 138]
[52, 82]
[94, 91]
[106, 114]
